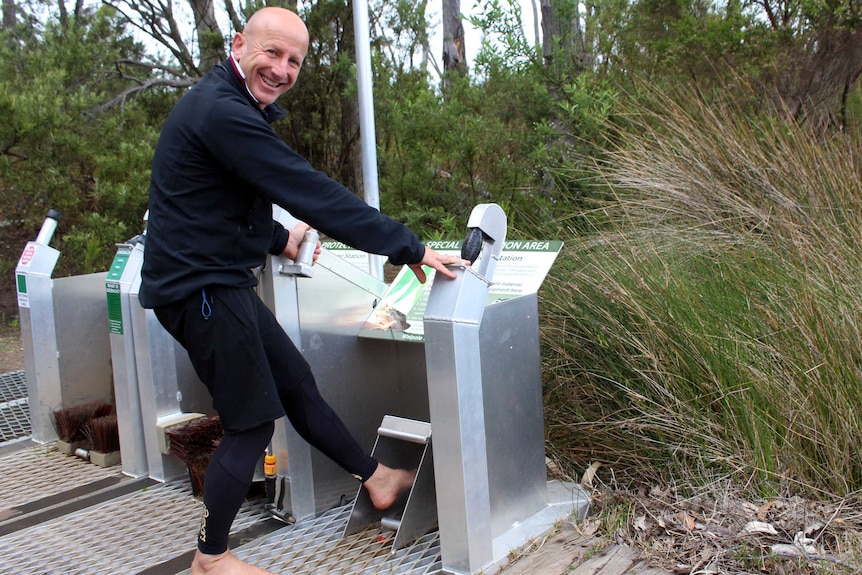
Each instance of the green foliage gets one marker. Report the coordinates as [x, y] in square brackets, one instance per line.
[400, 35]
[504, 42]
[56, 152]
[322, 122]
[504, 135]
[474, 146]
[690, 40]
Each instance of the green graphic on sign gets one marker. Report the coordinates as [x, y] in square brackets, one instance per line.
[22, 283]
[115, 306]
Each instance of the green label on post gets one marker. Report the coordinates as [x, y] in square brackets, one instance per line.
[112, 287]
[116, 271]
[115, 308]
[23, 298]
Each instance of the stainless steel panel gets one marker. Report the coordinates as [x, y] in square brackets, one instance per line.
[362, 380]
[459, 300]
[40, 366]
[514, 420]
[66, 350]
[83, 346]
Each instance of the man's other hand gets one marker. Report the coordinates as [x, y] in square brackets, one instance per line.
[438, 262]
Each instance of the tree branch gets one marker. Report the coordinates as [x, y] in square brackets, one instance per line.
[140, 87]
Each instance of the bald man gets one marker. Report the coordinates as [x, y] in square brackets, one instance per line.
[217, 170]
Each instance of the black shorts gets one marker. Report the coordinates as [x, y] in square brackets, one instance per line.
[239, 352]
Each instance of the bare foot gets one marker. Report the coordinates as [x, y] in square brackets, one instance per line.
[386, 484]
[224, 564]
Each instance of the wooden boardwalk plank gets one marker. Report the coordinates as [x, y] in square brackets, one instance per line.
[564, 555]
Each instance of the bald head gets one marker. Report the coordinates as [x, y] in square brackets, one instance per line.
[270, 51]
[275, 19]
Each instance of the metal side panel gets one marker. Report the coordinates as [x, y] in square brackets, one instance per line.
[39, 338]
[362, 380]
[514, 418]
[83, 346]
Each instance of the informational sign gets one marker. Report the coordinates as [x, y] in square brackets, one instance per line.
[23, 298]
[348, 254]
[521, 268]
[112, 288]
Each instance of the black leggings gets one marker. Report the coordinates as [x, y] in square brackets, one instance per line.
[231, 468]
[245, 359]
[226, 484]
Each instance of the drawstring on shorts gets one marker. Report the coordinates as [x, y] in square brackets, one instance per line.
[206, 308]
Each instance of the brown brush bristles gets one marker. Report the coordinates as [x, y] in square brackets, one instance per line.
[69, 422]
[193, 444]
[103, 433]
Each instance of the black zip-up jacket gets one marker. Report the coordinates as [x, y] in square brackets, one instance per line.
[217, 169]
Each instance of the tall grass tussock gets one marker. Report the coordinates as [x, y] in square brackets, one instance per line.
[708, 327]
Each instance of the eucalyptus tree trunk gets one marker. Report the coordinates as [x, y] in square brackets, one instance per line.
[10, 17]
[817, 88]
[536, 19]
[211, 42]
[550, 29]
[349, 162]
[454, 53]
[64, 12]
[562, 39]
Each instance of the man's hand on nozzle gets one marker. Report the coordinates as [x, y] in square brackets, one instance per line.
[294, 241]
[437, 261]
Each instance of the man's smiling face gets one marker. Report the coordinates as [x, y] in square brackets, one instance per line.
[270, 52]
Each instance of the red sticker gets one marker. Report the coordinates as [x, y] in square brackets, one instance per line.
[27, 256]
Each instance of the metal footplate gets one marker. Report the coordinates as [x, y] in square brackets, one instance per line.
[401, 444]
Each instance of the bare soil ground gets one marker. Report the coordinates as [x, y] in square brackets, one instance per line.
[717, 531]
[12, 242]
[11, 351]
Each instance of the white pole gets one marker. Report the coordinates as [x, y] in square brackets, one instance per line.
[367, 130]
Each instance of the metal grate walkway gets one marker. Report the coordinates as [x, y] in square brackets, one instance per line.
[123, 535]
[315, 547]
[146, 531]
[39, 472]
[150, 529]
[14, 407]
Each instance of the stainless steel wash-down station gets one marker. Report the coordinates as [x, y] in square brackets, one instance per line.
[461, 403]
